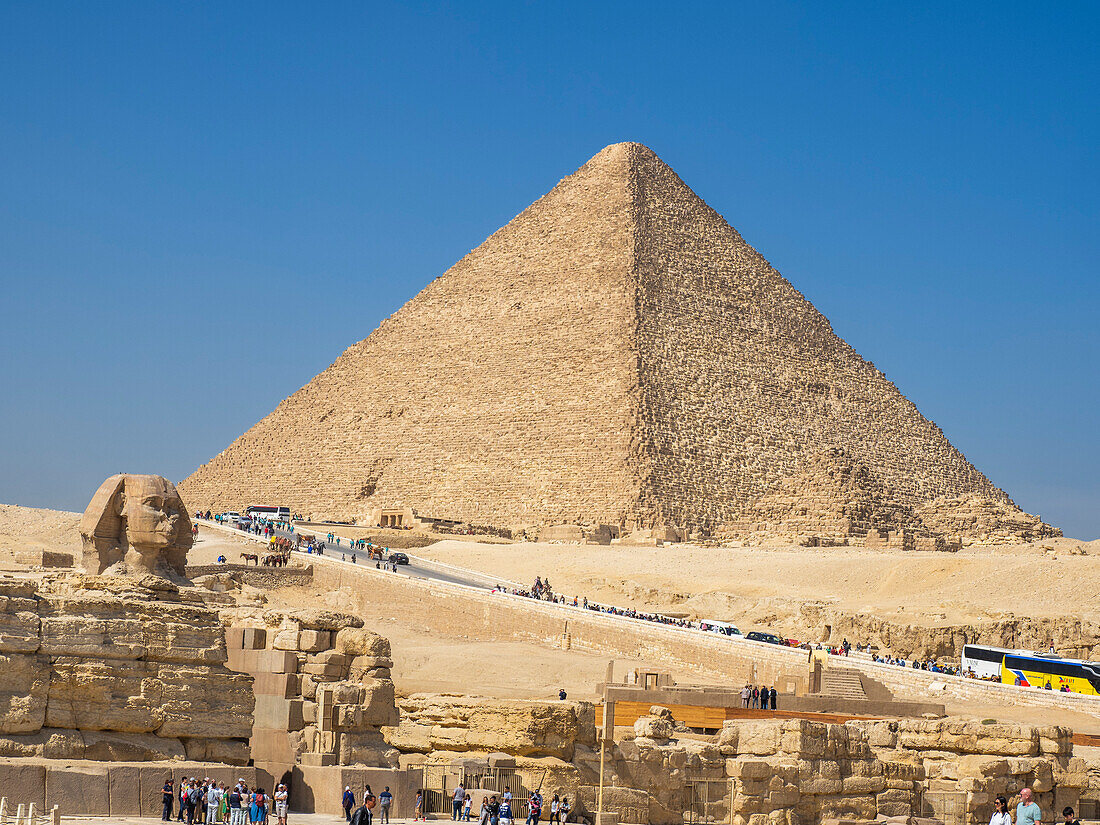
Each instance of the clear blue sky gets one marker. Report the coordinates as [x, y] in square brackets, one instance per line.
[197, 192]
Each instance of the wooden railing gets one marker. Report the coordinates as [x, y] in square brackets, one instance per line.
[27, 814]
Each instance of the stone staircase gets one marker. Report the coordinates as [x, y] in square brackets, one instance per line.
[842, 682]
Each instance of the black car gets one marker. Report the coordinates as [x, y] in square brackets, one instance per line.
[770, 638]
[398, 558]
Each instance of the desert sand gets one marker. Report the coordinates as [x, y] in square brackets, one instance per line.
[767, 585]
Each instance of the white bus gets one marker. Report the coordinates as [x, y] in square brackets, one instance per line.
[268, 513]
[985, 661]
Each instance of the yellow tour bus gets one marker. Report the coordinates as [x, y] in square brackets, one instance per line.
[1065, 675]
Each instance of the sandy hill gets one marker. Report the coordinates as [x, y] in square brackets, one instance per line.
[617, 353]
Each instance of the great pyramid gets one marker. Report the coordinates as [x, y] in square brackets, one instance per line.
[616, 354]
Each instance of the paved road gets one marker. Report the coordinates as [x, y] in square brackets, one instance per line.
[414, 568]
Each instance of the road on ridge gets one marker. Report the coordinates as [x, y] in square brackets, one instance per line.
[413, 569]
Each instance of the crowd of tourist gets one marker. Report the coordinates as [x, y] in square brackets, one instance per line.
[206, 802]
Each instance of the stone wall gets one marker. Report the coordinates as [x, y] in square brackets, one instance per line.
[498, 616]
[111, 668]
[616, 354]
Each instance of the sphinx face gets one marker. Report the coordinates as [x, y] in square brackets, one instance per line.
[154, 513]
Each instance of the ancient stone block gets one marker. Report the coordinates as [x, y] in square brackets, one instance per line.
[78, 788]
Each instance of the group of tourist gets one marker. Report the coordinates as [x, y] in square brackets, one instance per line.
[364, 814]
[500, 811]
[1027, 811]
[207, 802]
[759, 697]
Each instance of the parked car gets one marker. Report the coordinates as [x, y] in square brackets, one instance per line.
[398, 558]
[760, 636]
[231, 517]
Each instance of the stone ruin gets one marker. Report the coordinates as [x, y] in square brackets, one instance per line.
[136, 524]
[118, 669]
[322, 685]
[835, 499]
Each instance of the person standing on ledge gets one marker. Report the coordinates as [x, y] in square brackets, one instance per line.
[1027, 812]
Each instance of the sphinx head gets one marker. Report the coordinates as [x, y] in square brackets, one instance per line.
[137, 519]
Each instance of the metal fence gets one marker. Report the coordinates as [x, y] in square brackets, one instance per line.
[709, 801]
[438, 788]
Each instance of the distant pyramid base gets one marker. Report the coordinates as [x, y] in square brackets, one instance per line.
[835, 500]
[617, 354]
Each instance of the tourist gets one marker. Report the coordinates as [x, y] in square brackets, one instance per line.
[561, 694]
[483, 816]
[555, 810]
[361, 814]
[773, 694]
[168, 793]
[456, 802]
[418, 808]
[494, 810]
[1000, 816]
[467, 803]
[348, 802]
[369, 802]
[1067, 812]
[238, 804]
[385, 799]
[194, 801]
[184, 788]
[223, 804]
[257, 807]
[746, 694]
[534, 807]
[504, 816]
[755, 696]
[1027, 812]
[213, 800]
[281, 798]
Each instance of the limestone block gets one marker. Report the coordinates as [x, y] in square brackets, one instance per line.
[656, 728]
[759, 738]
[346, 693]
[285, 685]
[516, 727]
[965, 736]
[329, 670]
[366, 748]
[24, 686]
[254, 638]
[198, 702]
[309, 713]
[24, 783]
[78, 788]
[309, 686]
[984, 767]
[849, 807]
[19, 625]
[314, 641]
[863, 784]
[124, 790]
[152, 779]
[368, 665]
[313, 619]
[358, 641]
[222, 751]
[276, 713]
[894, 803]
[286, 640]
[747, 769]
[111, 694]
[727, 738]
[109, 746]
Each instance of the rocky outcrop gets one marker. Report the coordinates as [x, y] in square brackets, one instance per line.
[1070, 637]
[115, 668]
[984, 520]
[518, 727]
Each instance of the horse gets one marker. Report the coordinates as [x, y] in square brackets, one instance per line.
[250, 557]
